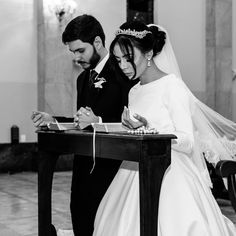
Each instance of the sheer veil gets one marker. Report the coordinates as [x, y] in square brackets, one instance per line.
[215, 136]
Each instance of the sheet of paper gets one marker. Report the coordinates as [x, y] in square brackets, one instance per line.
[109, 127]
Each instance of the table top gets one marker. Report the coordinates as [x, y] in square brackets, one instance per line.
[113, 135]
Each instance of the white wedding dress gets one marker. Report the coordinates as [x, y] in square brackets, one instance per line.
[186, 205]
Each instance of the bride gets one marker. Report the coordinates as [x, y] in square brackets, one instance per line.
[162, 101]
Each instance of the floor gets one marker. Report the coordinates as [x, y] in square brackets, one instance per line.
[18, 203]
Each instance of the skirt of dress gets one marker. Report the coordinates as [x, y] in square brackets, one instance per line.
[186, 206]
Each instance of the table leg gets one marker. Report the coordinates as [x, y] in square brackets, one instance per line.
[46, 165]
[152, 166]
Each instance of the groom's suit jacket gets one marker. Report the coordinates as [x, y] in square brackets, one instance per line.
[106, 102]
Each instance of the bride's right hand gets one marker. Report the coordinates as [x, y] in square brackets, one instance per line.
[130, 123]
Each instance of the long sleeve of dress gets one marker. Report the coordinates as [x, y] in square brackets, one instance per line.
[179, 108]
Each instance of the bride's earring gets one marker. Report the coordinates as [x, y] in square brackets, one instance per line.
[149, 62]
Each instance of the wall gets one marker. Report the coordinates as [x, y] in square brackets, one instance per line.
[110, 13]
[185, 22]
[223, 55]
[234, 60]
[201, 33]
[18, 60]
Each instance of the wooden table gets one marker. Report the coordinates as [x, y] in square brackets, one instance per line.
[153, 152]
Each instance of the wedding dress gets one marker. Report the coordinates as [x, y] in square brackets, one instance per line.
[186, 205]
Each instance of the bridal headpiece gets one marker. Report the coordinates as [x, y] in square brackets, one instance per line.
[136, 34]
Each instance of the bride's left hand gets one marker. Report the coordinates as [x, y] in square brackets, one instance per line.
[128, 122]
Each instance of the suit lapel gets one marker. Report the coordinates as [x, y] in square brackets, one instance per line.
[96, 93]
[93, 94]
[81, 82]
[105, 73]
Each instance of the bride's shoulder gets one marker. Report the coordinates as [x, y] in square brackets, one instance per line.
[136, 86]
[173, 82]
[172, 79]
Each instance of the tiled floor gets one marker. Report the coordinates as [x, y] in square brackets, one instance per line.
[18, 203]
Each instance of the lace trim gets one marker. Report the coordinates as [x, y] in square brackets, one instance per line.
[230, 145]
[212, 156]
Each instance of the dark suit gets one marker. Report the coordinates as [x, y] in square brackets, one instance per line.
[88, 189]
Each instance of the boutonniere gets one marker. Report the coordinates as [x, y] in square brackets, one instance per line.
[98, 82]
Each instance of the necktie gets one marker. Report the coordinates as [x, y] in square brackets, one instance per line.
[92, 76]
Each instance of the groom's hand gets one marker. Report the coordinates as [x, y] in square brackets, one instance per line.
[40, 118]
[85, 115]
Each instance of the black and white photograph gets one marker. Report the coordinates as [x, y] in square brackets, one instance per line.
[118, 118]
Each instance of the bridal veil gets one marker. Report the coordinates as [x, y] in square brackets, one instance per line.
[215, 136]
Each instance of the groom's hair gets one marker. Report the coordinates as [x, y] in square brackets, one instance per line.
[85, 28]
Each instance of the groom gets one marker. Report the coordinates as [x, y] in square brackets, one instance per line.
[102, 92]
[100, 97]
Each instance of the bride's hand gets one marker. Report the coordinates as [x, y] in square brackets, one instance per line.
[128, 122]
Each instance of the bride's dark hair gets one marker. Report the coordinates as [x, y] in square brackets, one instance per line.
[151, 41]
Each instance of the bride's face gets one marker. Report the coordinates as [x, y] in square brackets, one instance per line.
[125, 64]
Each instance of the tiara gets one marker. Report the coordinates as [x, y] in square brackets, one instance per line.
[136, 34]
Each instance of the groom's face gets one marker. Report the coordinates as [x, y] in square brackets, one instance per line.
[85, 54]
